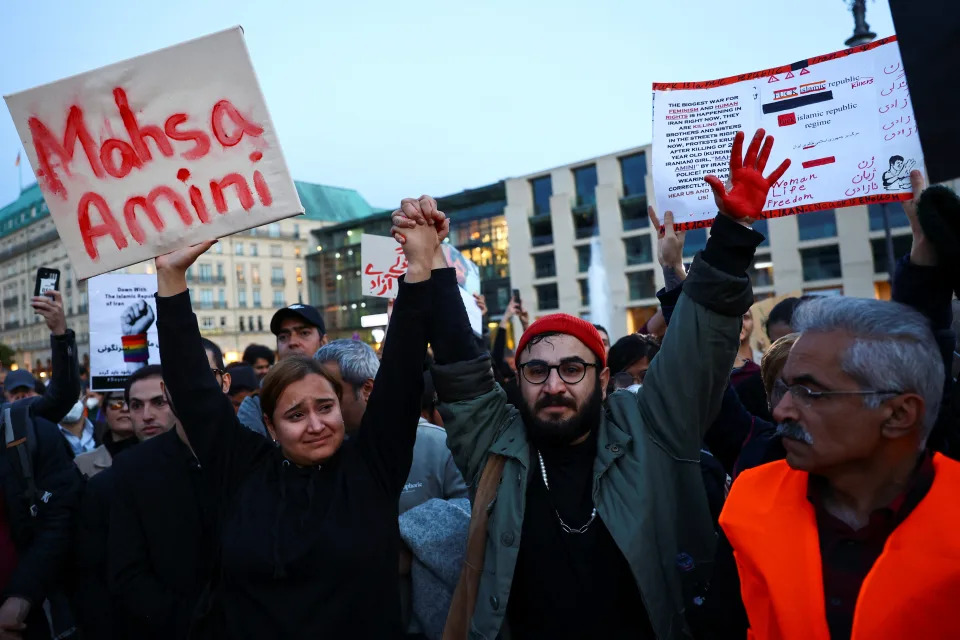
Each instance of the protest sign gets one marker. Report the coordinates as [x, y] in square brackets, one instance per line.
[844, 119]
[123, 330]
[155, 153]
[382, 262]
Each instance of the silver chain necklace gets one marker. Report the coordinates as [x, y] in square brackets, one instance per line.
[563, 525]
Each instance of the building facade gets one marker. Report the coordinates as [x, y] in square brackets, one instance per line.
[235, 287]
[478, 228]
[560, 217]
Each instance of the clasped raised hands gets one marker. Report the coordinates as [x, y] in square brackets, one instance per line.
[748, 188]
[419, 226]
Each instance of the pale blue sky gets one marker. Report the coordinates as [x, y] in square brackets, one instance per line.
[401, 98]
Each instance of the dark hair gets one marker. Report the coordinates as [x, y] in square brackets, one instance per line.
[290, 370]
[893, 159]
[429, 400]
[600, 327]
[629, 349]
[234, 365]
[211, 346]
[782, 313]
[39, 388]
[149, 371]
[255, 352]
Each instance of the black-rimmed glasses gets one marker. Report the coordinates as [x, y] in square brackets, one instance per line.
[570, 371]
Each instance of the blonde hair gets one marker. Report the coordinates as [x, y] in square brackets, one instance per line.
[774, 359]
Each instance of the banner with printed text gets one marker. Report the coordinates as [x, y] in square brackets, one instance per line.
[145, 156]
[844, 120]
[123, 327]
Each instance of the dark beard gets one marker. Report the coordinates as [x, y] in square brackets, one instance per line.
[552, 433]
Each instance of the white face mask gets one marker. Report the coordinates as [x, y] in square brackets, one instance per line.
[93, 403]
[75, 414]
[634, 388]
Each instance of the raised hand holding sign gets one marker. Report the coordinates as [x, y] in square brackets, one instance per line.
[748, 192]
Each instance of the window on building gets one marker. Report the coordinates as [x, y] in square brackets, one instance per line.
[222, 298]
[218, 248]
[299, 275]
[296, 230]
[542, 191]
[544, 265]
[274, 230]
[207, 322]
[895, 212]
[633, 168]
[223, 321]
[254, 274]
[821, 263]
[541, 231]
[585, 182]
[278, 298]
[761, 227]
[901, 247]
[276, 275]
[296, 252]
[250, 322]
[238, 248]
[695, 240]
[638, 250]
[242, 326]
[206, 271]
[761, 272]
[276, 251]
[585, 222]
[583, 258]
[584, 292]
[220, 271]
[242, 298]
[259, 323]
[256, 299]
[633, 213]
[817, 224]
[254, 250]
[206, 297]
[641, 285]
[547, 296]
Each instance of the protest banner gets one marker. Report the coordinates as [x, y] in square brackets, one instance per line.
[382, 262]
[145, 156]
[123, 330]
[844, 119]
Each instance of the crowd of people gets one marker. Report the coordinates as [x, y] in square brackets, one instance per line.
[671, 483]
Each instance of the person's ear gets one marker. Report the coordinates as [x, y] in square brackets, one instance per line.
[324, 340]
[905, 415]
[367, 388]
[225, 385]
[604, 381]
[270, 429]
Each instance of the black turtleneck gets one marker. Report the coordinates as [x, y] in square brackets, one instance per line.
[571, 585]
[116, 447]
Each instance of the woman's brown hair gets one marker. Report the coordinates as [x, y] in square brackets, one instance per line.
[774, 360]
[286, 372]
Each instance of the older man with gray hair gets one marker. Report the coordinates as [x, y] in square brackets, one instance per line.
[853, 536]
[434, 507]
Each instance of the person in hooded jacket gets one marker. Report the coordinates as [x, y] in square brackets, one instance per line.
[308, 521]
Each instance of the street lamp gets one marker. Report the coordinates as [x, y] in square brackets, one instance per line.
[863, 35]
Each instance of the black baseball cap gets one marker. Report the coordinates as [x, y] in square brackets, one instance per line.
[242, 378]
[304, 312]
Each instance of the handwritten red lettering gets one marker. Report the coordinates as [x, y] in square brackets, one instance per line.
[226, 108]
[107, 227]
[44, 144]
[137, 132]
[201, 139]
[243, 192]
[266, 198]
[128, 158]
[196, 199]
[148, 204]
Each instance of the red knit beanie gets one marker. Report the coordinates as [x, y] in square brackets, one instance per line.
[569, 325]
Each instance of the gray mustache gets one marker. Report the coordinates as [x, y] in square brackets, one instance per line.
[794, 431]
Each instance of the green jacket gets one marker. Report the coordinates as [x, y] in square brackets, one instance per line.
[647, 484]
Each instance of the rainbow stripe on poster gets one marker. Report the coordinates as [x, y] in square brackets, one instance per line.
[135, 348]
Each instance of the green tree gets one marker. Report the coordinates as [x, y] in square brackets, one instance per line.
[6, 355]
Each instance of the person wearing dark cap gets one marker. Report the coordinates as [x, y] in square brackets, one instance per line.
[600, 526]
[19, 384]
[300, 330]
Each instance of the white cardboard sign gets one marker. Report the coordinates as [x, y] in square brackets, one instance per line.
[122, 307]
[844, 119]
[145, 156]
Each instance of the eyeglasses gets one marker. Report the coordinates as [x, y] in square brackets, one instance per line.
[806, 396]
[623, 379]
[218, 372]
[571, 371]
[116, 405]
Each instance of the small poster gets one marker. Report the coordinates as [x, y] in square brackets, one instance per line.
[123, 328]
[844, 119]
[152, 154]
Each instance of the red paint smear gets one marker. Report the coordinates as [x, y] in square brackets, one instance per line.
[810, 146]
[255, 156]
[819, 162]
[183, 175]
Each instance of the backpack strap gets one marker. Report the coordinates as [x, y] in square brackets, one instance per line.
[21, 441]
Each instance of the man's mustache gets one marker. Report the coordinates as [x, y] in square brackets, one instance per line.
[794, 431]
[555, 401]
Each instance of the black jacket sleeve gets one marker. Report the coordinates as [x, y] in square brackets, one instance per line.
[46, 555]
[389, 427]
[94, 606]
[729, 430]
[729, 249]
[499, 347]
[450, 334]
[64, 386]
[218, 440]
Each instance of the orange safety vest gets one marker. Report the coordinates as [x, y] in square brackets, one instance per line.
[912, 591]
